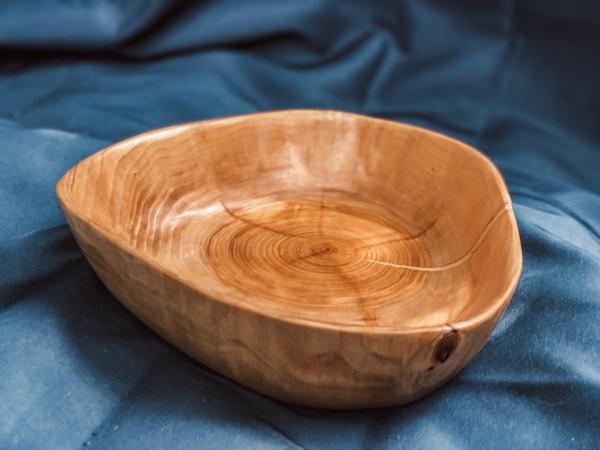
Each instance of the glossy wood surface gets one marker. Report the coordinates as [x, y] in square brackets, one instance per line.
[322, 258]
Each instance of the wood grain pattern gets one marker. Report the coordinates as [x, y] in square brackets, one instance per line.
[322, 258]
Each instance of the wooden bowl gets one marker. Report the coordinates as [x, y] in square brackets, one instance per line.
[322, 258]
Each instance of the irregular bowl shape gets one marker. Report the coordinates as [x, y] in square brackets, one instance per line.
[322, 258]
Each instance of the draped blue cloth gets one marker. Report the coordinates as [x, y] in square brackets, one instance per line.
[519, 80]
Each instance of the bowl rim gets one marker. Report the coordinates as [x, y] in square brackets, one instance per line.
[495, 307]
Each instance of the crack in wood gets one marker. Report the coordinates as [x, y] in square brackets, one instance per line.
[261, 226]
[402, 239]
[458, 262]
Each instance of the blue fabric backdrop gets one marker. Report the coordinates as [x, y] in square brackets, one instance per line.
[517, 79]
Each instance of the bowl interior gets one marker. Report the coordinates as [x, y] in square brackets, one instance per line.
[313, 216]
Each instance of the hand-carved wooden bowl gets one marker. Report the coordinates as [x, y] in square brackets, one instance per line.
[322, 258]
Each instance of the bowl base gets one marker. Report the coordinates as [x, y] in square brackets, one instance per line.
[314, 252]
